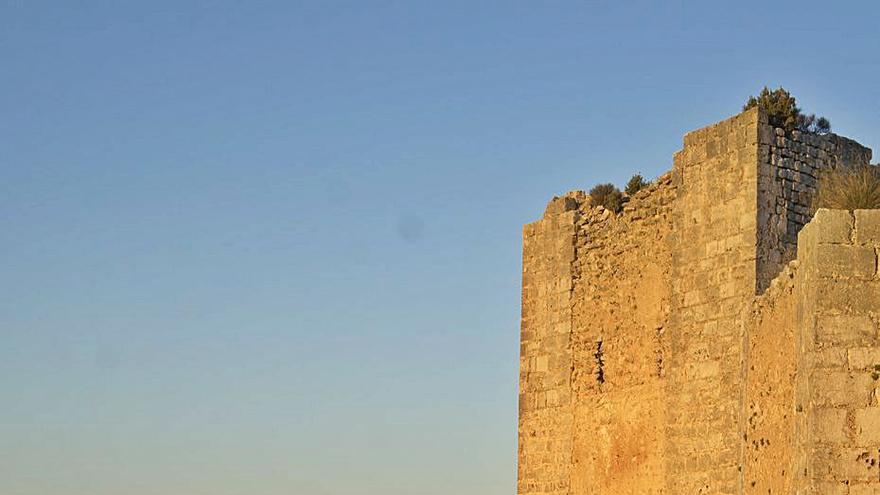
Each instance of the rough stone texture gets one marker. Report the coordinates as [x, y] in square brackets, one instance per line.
[837, 437]
[703, 340]
[713, 281]
[620, 309]
[545, 353]
[769, 426]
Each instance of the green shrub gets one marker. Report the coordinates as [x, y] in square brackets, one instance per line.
[607, 195]
[635, 184]
[809, 123]
[782, 111]
[855, 188]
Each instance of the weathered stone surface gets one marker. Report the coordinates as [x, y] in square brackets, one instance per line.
[842, 329]
[867, 424]
[830, 425]
[834, 226]
[841, 388]
[545, 360]
[842, 260]
[867, 227]
[864, 358]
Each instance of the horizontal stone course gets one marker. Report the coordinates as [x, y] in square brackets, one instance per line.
[845, 329]
[832, 226]
[834, 463]
[843, 260]
[864, 358]
[867, 226]
[839, 388]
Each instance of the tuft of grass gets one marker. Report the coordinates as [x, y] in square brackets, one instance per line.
[635, 184]
[856, 188]
[607, 195]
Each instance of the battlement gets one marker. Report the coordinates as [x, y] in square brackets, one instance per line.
[654, 359]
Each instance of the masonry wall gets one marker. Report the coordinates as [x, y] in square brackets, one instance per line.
[545, 425]
[770, 373]
[671, 348]
[713, 281]
[789, 166]
[836, 405]
[620, 312]
[814, 364]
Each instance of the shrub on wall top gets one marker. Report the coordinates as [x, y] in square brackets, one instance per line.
[635, 184]
[782, 111]
[607, 195]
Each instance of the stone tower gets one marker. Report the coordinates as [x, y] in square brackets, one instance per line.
[713, 338]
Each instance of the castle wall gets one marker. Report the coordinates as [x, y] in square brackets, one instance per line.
[713, 281]
[770, 378]
[836, 405]
[545, 412]
[620, 311]
[789, 166]
[673, 348]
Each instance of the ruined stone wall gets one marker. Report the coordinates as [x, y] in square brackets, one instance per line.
[673, 348]
[713, 282]
[789, 166]
[545, 425]
[814, 364]
[620, 311]
[838, 416]
[770, 377]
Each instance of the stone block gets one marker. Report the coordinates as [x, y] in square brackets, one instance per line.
[832, 464]
[841, 260]
[766, 134]
[830, 425]
[831, 488]
[847, 296]
[864, 358]
[844, 329]
[541, 364]
[867, 227]
[832, 226]
[867, 423]
[830, 357]
[840, 388]
[559, 205]
[864, 489]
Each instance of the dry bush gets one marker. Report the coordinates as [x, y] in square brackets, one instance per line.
[607, 195]
[635, 184]
[856, 188]
[782, 111]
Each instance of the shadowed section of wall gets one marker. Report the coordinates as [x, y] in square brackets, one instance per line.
[545, 424]
[621, 304]
[789, 168]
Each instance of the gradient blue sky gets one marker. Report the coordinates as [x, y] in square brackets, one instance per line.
[274, 248]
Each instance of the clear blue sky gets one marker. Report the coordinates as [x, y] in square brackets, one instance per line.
[274, 248]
